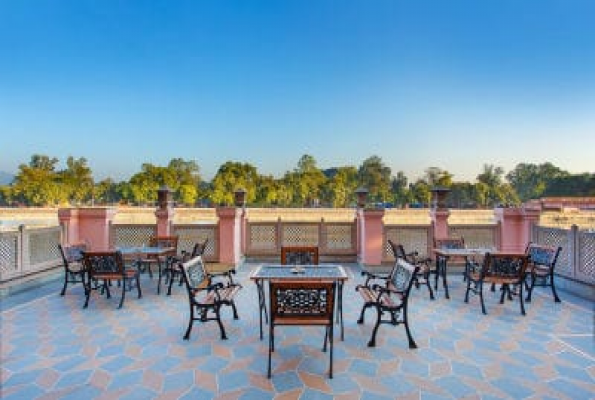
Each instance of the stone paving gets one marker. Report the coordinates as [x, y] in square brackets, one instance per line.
[52, 348]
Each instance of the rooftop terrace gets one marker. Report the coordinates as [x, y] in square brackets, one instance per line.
[52, 348]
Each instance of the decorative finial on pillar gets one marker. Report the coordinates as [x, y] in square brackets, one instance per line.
[362, 196]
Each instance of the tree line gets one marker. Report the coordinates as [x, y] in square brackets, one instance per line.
[41, 183]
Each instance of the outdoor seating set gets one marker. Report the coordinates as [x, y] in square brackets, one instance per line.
[302, 292]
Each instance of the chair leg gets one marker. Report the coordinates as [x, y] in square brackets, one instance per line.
[427, 278]
[234, 309]
[556, 298]
[140, 293]
[171, 281]
[504, 288]
[190, 322]
[360, 320]
[87, 294]
[372, 342]
[412, 344]
[65, 283]
[530, 288]
[123, 294]
[467, 291]
[483, 306]
[325, 339]
[521, 299]
[218, 317]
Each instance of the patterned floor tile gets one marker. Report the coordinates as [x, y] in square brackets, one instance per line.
[52, 348]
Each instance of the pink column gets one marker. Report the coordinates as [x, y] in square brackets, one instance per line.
[440, 221]
[165, 218]
[516, 225]
[371, 235]
[90, 225]
[230, 219]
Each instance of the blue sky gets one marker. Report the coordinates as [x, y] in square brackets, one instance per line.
[453, 84]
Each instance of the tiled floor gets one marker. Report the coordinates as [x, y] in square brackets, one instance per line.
[51, 348]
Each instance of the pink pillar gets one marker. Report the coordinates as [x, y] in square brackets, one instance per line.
[516, 225]
[90, 225]
[165, 218]
[371, 236]
[230, 222]
[440, 221]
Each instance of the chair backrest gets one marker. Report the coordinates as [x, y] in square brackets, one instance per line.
[199, 248]
[503, 265]
[299, 255]
[301, 302]
[402, 276]
[449, 243]
[72, 253]
[195, 275]
[165, 241]
[399, 252]
[98, 263]
[543, 255]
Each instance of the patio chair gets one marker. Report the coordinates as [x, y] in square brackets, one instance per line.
[174, 269]
[299, 255]
[540, 270]
[72, 259]
[205, 296]
[107, 266]
[392, 297]
[424, 264]
[503, 269]
[302, 303]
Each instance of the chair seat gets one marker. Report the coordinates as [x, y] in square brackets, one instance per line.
[225, 294]
[129, 273]
[538, 270]
[475, 276]
[369, 296]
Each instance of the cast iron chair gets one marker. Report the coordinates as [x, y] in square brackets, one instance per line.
[296, 303]
[72, 259]
[109, 266]
[540, 270]
[392, 297]
[299, 255]
[424, 264]
[205, 296]
[503, 269]
[174, 268]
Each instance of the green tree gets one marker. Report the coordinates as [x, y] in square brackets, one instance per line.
[399, 191]
[340, 188]
[232, 176]
[37, 183]
[106, 192]
[376, 177]
[77, 180]
[308, 181]
[530, 181]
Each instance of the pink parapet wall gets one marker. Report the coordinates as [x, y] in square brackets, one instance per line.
[90, 225]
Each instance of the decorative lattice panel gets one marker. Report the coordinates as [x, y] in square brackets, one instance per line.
[557, 237]
[475, 236]
[189, 235]
[43, 246]
[262, 237]
[586, 257]
[412, 239]
[300, 234]
[339, 237]
[8, 254]
[132, 235]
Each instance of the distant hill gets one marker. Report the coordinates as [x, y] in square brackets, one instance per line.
[5, 178]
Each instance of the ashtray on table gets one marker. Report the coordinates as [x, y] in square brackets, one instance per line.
[298, 270]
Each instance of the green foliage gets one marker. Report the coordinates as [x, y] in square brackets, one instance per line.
[39, 183]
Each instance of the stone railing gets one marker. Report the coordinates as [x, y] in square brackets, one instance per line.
[28, 251]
